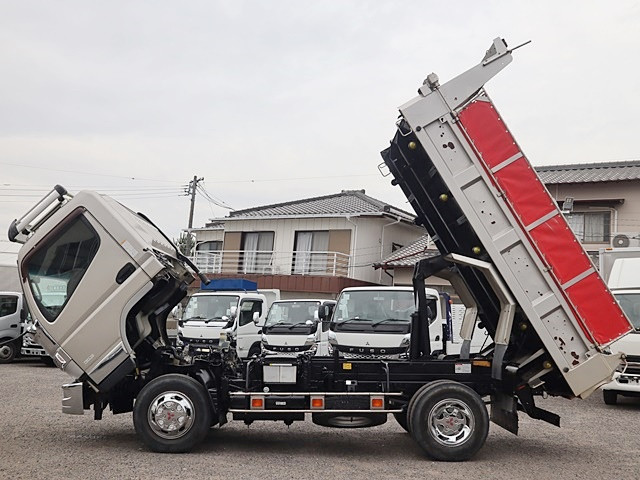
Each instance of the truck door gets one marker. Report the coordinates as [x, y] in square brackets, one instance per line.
[247, 331]
[74, 279]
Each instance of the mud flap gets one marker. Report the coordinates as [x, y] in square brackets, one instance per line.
[504, 411]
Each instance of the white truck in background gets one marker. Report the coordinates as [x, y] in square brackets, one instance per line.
[620, 268]
[294, 327]
[14, 317]
[376, 321]
[233, 306]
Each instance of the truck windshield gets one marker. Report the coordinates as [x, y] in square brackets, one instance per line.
[209, 307]
[630, 303]
[291, 313]
[375, 307]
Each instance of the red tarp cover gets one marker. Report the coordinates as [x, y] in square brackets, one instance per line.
[598, 313]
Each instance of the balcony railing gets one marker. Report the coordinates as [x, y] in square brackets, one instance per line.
[334, 264]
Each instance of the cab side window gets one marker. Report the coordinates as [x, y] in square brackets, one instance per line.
[56, 267]
[8, 305]
[247, 309]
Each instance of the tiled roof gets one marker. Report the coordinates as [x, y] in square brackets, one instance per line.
[590, 172]
[347, 202]
[408, 255]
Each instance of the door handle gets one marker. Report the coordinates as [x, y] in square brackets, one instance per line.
[125, 272]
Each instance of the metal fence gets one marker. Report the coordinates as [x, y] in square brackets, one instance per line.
[334, 264]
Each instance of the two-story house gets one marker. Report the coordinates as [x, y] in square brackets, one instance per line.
[309, 247]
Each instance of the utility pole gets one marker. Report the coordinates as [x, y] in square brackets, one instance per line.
[193, 184]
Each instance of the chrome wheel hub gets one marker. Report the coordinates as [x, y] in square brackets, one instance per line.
[451, 422]
[171, 415]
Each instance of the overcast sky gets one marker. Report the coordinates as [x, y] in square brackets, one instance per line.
[281, 100]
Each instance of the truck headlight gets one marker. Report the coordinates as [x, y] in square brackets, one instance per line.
[311, 339]
[405, 340]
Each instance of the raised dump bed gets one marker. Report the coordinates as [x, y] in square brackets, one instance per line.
[478, 196]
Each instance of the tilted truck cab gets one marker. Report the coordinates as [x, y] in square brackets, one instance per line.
[505, 247]
[118, 277]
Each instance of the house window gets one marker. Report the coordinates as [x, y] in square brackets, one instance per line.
[311, 254]
[209, 256]
[257, 252]
[591, 227]
[211, 246]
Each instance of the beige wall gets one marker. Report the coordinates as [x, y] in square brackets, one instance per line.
[625, 217]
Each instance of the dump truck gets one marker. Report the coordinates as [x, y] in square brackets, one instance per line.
[505, 248]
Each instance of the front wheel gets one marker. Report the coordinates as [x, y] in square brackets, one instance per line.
[449, 421]
[610, 397]
[172, 414]
[8, 351]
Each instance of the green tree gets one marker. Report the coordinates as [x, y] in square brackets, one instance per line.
[186, 243]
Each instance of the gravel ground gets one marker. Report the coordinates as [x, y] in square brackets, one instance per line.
[38, 441]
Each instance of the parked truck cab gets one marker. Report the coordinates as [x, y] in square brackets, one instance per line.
[376, 321]
[234, 307]
[294, 327]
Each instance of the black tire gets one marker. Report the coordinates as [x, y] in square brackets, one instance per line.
[8, 351]
[162, 401]
[415, 395]
[348, 420]
[449, 421]
[610, 397]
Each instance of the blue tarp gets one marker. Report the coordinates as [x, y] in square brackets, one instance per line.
[230, 284]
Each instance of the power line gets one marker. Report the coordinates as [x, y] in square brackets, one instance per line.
[84, 173]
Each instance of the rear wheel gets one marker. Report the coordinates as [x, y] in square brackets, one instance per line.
[449, 421]
[412, 401]
[172, 414]
[8, 351]
[610, 397]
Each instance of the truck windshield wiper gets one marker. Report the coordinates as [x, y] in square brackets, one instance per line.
[299, 325]
[277, 324]
[387, 320]
[354, 319]
[195, 317]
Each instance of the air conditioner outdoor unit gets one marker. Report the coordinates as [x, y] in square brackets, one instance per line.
[623, 240]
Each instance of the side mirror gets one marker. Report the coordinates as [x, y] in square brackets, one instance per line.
[323, 312]
[256, 318]
[23, 315]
